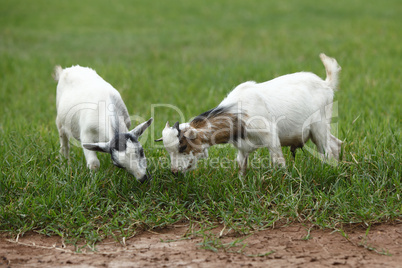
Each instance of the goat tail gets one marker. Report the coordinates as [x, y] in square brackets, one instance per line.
[57, 72]
[332, 68]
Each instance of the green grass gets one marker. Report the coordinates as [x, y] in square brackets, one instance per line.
[191, 54]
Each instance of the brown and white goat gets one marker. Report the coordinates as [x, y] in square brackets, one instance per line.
[286, 111]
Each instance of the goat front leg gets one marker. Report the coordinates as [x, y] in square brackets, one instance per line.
[92, 160]
[90, 156]
[242, 161]
[275, 150]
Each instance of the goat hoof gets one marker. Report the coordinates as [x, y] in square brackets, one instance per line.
[94, 165]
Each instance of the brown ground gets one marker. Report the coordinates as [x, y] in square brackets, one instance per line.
[382, 247]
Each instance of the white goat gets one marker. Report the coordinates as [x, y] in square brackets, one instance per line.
[92, 111]
[286, 111]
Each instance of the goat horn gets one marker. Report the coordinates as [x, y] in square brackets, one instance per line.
[176, 125]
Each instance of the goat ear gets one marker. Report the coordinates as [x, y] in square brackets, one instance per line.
[190, 134]
[103, 147]
[138, 130]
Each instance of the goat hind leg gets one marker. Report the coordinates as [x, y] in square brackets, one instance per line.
[335, 145]
[320, 135]
[64, 145]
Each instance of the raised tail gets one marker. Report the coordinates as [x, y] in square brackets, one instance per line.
[57, 72]
[332, 68]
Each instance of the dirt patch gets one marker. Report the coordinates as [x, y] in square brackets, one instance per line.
[294, 246]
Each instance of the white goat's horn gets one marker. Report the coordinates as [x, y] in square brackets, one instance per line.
[167, 125]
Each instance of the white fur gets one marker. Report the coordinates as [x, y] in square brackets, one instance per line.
[90, 110]
[286, 111]
[179, 161]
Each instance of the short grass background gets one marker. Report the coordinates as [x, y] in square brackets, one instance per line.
[190, 54]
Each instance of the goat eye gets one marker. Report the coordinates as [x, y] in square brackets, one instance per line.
[182, 148]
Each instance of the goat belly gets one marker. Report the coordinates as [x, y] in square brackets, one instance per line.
[295, 136]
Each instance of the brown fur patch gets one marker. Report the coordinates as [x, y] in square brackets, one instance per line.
[186, 145]
[218, 129]
[215, 126]
[223, 128]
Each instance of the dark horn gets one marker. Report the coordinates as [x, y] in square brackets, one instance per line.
[176, 125]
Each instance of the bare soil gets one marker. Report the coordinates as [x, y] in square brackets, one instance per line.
[287, 246]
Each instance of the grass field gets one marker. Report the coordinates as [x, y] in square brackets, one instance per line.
[190, 54]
